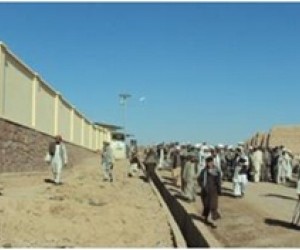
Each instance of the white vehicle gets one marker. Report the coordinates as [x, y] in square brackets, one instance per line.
[118, 146]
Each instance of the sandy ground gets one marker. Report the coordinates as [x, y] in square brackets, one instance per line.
[261, 219]
[84, 212]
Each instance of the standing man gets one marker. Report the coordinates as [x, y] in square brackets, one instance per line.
[133, 164]
[59, 158]
[210, 183]
[215, 153]
[257, 159]
[274, 163]
[267, 164]
[282, 167]
[240, 179]
[107, 162]
[150, 163]
[189, 177]
[176, 166]
[161, 155]
[203, 154]
[133, 159]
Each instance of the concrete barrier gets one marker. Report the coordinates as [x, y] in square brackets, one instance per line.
[192, 236]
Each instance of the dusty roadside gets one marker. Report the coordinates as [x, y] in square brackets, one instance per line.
[84, 212]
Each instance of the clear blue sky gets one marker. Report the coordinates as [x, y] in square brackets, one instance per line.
[214, 72]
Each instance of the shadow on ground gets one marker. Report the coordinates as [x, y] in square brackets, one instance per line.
[280, 196]
[200, 218]
[49, 181]
[281, 223]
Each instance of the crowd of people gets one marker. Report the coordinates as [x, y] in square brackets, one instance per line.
[198, 166]
[206, 166]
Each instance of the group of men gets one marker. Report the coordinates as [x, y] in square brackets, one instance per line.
[198, 166]
[194, 165]
[257, 163]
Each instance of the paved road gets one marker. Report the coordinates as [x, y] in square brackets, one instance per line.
[84, 212]
[261, 219]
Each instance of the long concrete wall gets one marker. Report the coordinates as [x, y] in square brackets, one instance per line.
[23, 149]
[27, 100]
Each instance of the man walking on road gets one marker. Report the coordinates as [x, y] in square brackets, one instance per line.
[189, 177]
[107, 162]
[176, 166]
[59, 158]
[150, 164]
[210, 183]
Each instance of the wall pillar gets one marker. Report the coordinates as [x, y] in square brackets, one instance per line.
[2, 79]
[56, 102]
[35, 85]
[82, 131]
[72, 117]
[90, 137]
[97, 139]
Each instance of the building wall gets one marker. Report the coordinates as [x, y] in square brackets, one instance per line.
[86, 133]
[77, 128]
[64, 121]
[45, 109]
[17, 91]
[23, 149]
[288, 136]
[2, 62]
[26, 99]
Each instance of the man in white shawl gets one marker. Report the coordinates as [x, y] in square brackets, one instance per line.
[289, 165]
[215, 152]
[284, 168]
[203, 154]
[161, 162]
[59, 158]
[240, 179]
[189, 177]
[257, 161]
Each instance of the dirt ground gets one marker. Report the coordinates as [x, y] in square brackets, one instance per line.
[260, 219]
[84, 212]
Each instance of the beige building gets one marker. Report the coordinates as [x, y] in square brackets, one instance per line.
[28, 100]
[288, 136]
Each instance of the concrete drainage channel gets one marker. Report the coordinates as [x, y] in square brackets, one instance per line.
[185, 232]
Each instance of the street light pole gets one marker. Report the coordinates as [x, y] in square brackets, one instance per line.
[123, 102]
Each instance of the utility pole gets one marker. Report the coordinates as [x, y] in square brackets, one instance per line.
[123, 102]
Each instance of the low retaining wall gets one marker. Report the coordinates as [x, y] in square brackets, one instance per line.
[24, 149]
[190, 232]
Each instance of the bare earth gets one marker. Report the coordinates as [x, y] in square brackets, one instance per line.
[84, 212]
[261, 219]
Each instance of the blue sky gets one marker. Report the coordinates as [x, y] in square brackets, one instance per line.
[213, 72]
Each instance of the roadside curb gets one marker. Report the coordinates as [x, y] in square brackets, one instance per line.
[178, 237]
[187, 232]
